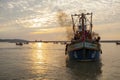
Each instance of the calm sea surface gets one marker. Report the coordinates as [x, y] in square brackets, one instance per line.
[47, 61]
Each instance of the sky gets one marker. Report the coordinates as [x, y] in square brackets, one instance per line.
[38, 19]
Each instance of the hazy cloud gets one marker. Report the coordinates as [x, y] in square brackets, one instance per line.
[22, 15]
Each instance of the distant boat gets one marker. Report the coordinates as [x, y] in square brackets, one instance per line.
[26, 42]
[117, 43]
[85, 44]
[19, 43]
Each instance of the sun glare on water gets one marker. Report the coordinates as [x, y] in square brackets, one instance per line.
[37, 54]
[38, 58]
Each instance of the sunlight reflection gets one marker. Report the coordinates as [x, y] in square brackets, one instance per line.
[37, 53]
[39, 45]
[38, 59]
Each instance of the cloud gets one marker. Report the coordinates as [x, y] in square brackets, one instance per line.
[33, 15]
[50, 31]
[108, 31]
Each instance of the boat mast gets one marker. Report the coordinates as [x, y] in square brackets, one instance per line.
[83, 26]
[73, 24]
[91, 25]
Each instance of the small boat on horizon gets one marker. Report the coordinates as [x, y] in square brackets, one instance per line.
[19, 43]
[117, 43]
[26, 42]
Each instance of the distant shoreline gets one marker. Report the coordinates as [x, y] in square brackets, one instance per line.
[13, 40]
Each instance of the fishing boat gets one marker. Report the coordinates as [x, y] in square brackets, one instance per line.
[117, 43]
[19, 43]
[84, 45]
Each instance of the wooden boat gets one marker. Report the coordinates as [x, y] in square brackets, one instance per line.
[85, 44]
[19, 43]
[117, 43]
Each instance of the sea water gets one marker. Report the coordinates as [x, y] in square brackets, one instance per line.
[47, 61]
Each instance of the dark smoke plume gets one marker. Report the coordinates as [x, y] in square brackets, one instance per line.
[65, 21]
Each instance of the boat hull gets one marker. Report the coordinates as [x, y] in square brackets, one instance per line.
[83, 51]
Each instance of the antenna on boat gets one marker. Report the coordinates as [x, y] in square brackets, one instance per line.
[73, 24]
[91, 25]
